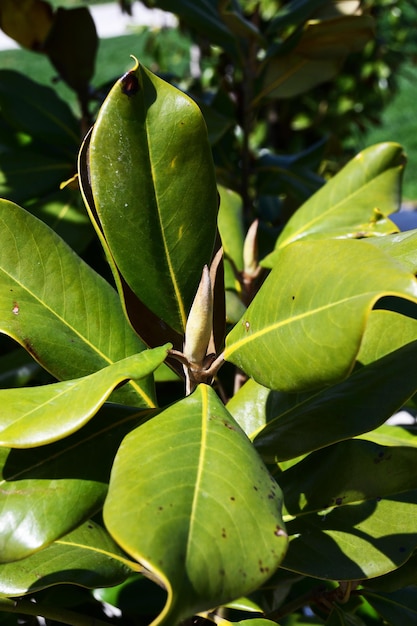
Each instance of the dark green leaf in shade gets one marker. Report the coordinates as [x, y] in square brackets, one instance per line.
[214, 533]
[87, 556]
[49, 491]
[72, 46]
[358, 405]
[63, 313]
[150, 161]
[356, 541]
[296, 337]
[352, 471]
[399, 607]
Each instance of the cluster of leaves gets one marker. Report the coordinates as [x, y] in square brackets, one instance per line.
[267, 484]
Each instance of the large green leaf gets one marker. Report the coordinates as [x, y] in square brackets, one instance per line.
[399, 607]
[355, 202]
[154, 191]
[317, 56]
[200, 511]
[325, 479]
[356, 541]
[296, 336]
[357, 405]
[48, 491]
[401, 246]
[63, 313]
[87, 556]
[35, 416]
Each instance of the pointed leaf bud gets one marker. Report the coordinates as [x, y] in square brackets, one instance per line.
[250, 251]
[200, 322]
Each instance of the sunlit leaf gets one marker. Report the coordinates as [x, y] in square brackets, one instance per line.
[295, 336]
[35, 416]
[222, 525]
[87, 556]
[150, 160]
[63, 313]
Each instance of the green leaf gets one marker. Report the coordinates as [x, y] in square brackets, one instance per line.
[293, 13]
[35, 416]
[72, 46]
[404, 576]
[48, 491]
[202, 16]
[317, 56]
[87, 557]
[63, 313]
[385, 332]
[37, 110]
[341, 617]
[296, 337]
[223, 525]
[354, 203]
[248, 406]
[324, 479]
[401, 246]
[355, 541]
[357, 405]
[396, 608]
[150, 160]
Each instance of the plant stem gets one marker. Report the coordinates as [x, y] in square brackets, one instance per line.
[26, 607]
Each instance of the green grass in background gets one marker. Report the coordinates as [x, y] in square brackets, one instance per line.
[399, 123]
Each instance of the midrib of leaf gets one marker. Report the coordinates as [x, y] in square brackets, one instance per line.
[115, 557]
[179, 300]
[142, 394]
[55, 456]
[203, 390]
[296, 318]
[321, 216]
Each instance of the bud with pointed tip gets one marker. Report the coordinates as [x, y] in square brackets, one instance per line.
[250, 251]
[200, 322]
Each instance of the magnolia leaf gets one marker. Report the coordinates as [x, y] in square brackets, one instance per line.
[27, 21]
[401, 246]
[48, 491]
[296, 337]
[354, 203]
[399, 607]
[323, 480]
[87, 556]
[360, 540]
[149, 159]
[357, 405]
[316, 57]
[63, 313]
[223, 526]
[35, 416]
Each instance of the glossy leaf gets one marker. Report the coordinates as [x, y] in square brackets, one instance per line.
[293, 13]
[358, 405]
[47, 492]
[296, 337]
[317, 56]
[35, 416]
[385, 332]
[63, 313]
[324, 479]
[401, 246]
[87, 557]
[150, 160]
[355, 202]
[222, 525]
[404, 576]
[356, 541]
[248, 406]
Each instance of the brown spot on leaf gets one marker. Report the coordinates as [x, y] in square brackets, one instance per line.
[15, 309]
[130, 84]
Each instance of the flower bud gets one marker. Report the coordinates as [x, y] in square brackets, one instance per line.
[200, 322]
